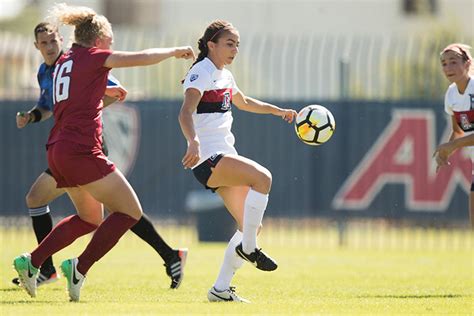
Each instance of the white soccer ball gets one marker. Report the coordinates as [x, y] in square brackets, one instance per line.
[314, 125]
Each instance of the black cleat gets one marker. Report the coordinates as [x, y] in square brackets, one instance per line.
[258, 258]
[175, 267]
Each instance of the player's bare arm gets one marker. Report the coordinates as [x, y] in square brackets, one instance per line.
[256, 106]
[190, 103]
[457, 131]
[146, 57]
[456, 139]
[445, 150]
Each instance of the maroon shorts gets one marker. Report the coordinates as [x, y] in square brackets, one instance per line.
[75, 164]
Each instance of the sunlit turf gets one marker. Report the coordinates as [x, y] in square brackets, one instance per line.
[312, 278]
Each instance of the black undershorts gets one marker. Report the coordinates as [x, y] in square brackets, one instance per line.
[203, 171]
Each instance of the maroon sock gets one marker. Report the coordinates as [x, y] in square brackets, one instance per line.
[105, 237]
[62, 235]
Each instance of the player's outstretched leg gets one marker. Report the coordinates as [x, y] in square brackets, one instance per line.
[258, 258]
[27, 273]
[75, 280]
[228, 295]
[175, 267]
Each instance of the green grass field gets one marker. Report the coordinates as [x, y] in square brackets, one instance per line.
[312, 278]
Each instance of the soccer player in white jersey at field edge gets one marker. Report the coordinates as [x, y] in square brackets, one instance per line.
[206, 119]
[456, 61]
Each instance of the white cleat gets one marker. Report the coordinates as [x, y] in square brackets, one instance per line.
[27, 274]
[228, 295]
[74, 278]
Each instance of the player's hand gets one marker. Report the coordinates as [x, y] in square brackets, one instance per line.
[22, 119]
[287, 114]
[116, 92]
[185, 52]
[192, 156]
[442, 154]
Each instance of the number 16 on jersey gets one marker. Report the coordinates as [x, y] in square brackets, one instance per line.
[61, 81]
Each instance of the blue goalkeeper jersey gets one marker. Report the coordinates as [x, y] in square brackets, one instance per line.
[45, 81]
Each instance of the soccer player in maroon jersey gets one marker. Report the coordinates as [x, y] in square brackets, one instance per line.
[74, 146]
[43, 191]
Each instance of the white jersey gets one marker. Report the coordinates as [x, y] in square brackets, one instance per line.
[213, 116]
[462, 107]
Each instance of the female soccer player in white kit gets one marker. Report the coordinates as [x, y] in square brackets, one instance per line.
[206, 120]
[456, 61]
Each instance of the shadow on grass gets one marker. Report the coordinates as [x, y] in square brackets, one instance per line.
[11, 289]
[33, 301]
[416, 296]
[16, 289]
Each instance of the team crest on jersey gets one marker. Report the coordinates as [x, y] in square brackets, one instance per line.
[121, 134]
[193, 77]
[226, 102]
[464, 122]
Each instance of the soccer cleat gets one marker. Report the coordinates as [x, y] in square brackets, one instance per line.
[258, 258]
[175, 267]
[26, 273]
[75, 280]
[228, 295]
[43, 278]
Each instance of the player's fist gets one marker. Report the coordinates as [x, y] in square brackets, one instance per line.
[287, 114]
[442, 154]
[116, 92]
[22, 119]
[185, 52]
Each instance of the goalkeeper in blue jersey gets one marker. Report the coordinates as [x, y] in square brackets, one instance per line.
[43, 191]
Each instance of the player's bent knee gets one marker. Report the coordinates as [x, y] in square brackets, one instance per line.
[264, 181]
[34, 200]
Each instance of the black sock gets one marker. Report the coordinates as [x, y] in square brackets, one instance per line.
[146, 231]
[42, 225]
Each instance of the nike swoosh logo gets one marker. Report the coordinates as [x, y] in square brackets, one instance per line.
[74, 279]
[242, 255]
[222, 298]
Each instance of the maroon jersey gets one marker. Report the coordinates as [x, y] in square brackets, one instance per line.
[79, 84]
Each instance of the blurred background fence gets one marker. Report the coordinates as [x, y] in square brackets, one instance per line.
[279, 67]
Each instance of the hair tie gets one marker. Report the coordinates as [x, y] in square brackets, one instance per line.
[215, 34]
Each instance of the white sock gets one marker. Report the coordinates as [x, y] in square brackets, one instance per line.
[255, 205]
[232, 262]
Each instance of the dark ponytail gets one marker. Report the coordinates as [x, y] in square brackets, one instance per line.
[203, 50]
[212, 33]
